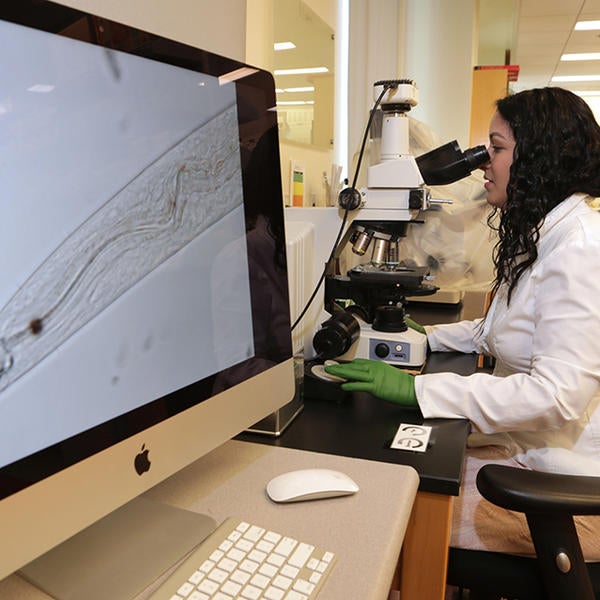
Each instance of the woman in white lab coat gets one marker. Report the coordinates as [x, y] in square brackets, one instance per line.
[540, 409]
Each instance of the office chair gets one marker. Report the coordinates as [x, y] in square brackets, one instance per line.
[549, 501]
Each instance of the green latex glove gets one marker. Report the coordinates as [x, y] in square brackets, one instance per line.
[413, 325]
[378, 378]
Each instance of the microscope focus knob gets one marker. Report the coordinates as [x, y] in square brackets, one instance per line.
[382, 350]
[350, 198]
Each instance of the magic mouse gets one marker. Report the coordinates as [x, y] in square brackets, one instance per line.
[310, 484]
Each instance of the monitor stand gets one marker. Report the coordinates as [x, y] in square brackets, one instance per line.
[120, 555]
[277, 422]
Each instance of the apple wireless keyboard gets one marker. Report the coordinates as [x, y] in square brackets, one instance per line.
[242, 560]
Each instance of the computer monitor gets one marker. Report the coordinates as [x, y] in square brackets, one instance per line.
[144, 312]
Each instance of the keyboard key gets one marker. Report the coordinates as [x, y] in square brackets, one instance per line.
[274, 594]
[265, 546]
[301, 555]
[292, 595]
[254, 533]
[216, 556]
[289, 571]
[196, 577]
[276, 559]
[185, 590]
[208, 586]
[285, 546]
[303, 586]
[231, 588]
[218, 575]
[267, 570]
[257, 556]
[237, 555]
[272, 536]
[206, 566]
[249, 566]
[260, 581]
[227, 565]
[234, 536]
[244, 545]
[282, 582]
[240, 577]
[315, 577]
[251, 592]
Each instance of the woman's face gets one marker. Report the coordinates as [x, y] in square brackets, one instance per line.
[497, 169]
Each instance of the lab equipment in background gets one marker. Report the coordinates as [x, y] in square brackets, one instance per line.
[366, 302]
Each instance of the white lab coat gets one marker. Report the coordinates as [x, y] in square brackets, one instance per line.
[542, 401]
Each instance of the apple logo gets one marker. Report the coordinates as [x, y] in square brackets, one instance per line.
[142, 462]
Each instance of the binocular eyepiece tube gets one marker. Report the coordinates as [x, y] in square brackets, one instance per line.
[449, 163]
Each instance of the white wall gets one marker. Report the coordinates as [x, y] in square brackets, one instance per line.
[440, 50]
[433, 42]
[219, 27]
[260, 33]
[373, 55]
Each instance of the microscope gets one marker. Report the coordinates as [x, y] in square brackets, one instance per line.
[367, 302]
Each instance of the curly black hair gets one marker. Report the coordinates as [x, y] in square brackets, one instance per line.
[557, 153]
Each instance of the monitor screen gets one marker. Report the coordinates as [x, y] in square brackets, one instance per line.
[144, 290]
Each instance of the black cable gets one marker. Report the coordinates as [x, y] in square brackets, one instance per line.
[386, 87]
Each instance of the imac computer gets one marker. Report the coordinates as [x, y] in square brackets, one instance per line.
[144, 311]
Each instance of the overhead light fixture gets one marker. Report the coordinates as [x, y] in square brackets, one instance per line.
[307, 88]
[306, 71]
[575, 78]
[581, 56]
[283, 46]
[235, 75]
[587, 25]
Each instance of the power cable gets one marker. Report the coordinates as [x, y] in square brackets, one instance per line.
[353, 193]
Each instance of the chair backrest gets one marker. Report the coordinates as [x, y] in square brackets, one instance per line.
[549, 501]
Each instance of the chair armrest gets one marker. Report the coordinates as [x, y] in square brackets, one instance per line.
[525, 491]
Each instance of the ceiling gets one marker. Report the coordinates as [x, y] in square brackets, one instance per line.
[534, 32]
[543, 32]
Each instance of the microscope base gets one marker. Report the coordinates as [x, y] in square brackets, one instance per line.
[404, 349]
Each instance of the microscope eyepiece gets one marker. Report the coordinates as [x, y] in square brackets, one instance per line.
[476, 156]
[449, 163]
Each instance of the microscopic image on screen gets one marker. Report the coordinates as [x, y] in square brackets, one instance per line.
[122, 218]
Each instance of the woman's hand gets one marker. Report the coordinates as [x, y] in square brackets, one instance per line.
[378, 378]
[414, 325]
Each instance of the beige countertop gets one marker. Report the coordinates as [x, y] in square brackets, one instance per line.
[364, 530]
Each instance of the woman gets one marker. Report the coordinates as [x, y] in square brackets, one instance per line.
[540, 408]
